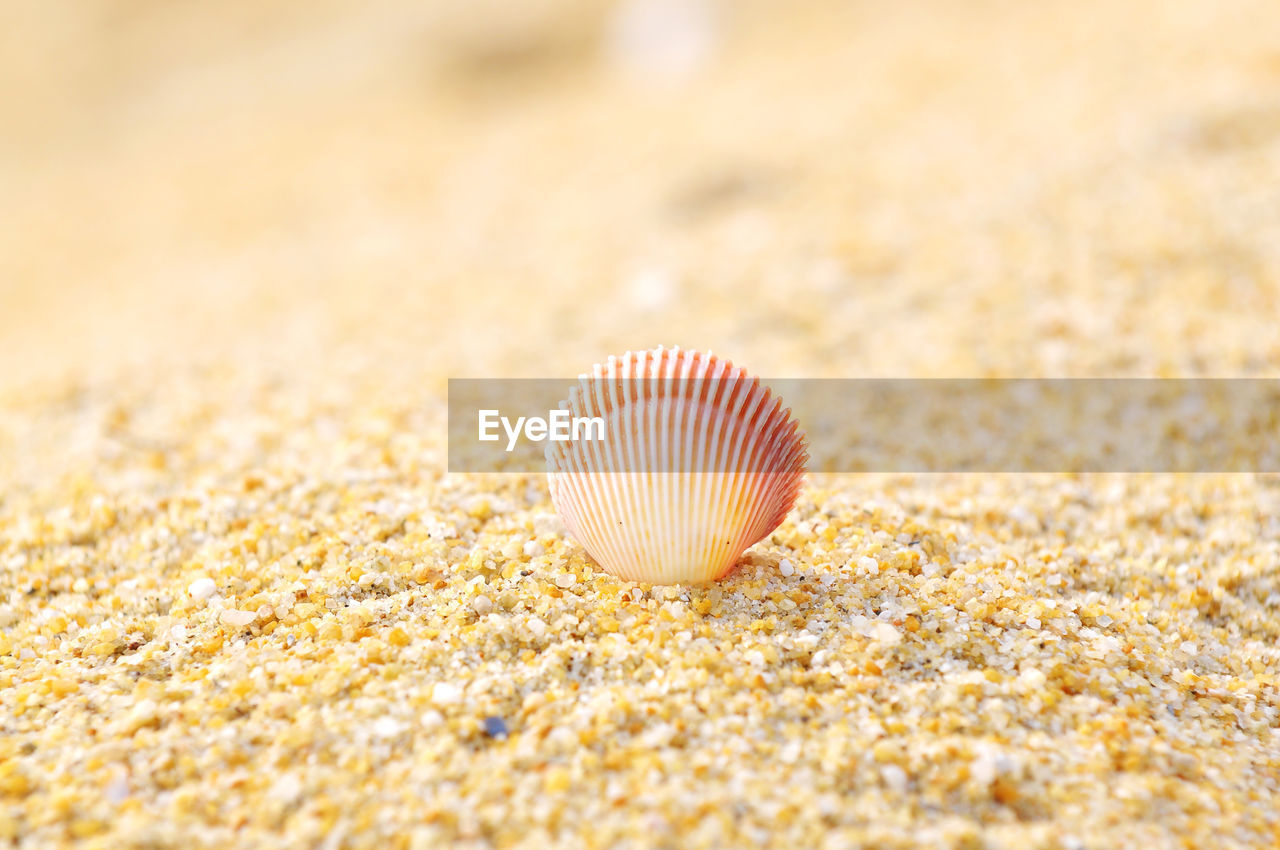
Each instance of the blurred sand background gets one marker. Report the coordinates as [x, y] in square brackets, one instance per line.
[244, 244]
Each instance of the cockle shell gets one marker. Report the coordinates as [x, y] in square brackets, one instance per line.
[698, 462]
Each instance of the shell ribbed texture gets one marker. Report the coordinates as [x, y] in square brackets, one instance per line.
[700, 462]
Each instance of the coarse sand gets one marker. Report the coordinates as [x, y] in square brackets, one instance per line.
[243, 604]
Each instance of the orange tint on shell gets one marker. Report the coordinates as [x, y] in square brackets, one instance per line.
[666, 499]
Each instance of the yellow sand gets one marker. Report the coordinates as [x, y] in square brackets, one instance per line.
[244, 244]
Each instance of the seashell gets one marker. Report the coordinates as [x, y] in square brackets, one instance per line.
[697, 463]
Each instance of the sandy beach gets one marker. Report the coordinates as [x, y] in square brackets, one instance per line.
[243, 603]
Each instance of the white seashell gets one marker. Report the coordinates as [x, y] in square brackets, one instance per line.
[699, 462]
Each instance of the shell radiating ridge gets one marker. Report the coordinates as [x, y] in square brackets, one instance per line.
[698, 462]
